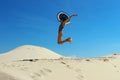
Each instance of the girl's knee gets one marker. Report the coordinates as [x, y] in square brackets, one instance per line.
[60, 42]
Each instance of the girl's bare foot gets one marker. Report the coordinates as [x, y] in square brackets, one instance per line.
[69, 39]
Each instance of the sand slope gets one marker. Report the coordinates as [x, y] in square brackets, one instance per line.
[105, 68]
[65, 69]
[29, 52]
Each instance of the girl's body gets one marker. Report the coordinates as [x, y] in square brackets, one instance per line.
[60, 33]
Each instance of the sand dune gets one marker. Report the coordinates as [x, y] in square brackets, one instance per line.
[114, 56]
[29, 52]
[104, 68]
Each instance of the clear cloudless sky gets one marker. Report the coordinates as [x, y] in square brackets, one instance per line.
[95, 31]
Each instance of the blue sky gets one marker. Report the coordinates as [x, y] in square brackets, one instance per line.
[95, 31]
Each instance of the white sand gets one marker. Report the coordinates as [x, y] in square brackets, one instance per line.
[29, 52]
[107, 68]
[4, 76]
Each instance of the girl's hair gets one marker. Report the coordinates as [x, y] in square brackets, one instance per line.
[62, 16]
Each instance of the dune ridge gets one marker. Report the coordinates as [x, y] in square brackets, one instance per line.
[29, 52]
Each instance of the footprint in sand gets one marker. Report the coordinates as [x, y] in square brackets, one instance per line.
[35, 76]
[63, 62]
[68, 66]
[42, 72]
[48, 70]
[80, 77]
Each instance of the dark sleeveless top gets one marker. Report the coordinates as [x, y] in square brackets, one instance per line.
[60, 27]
